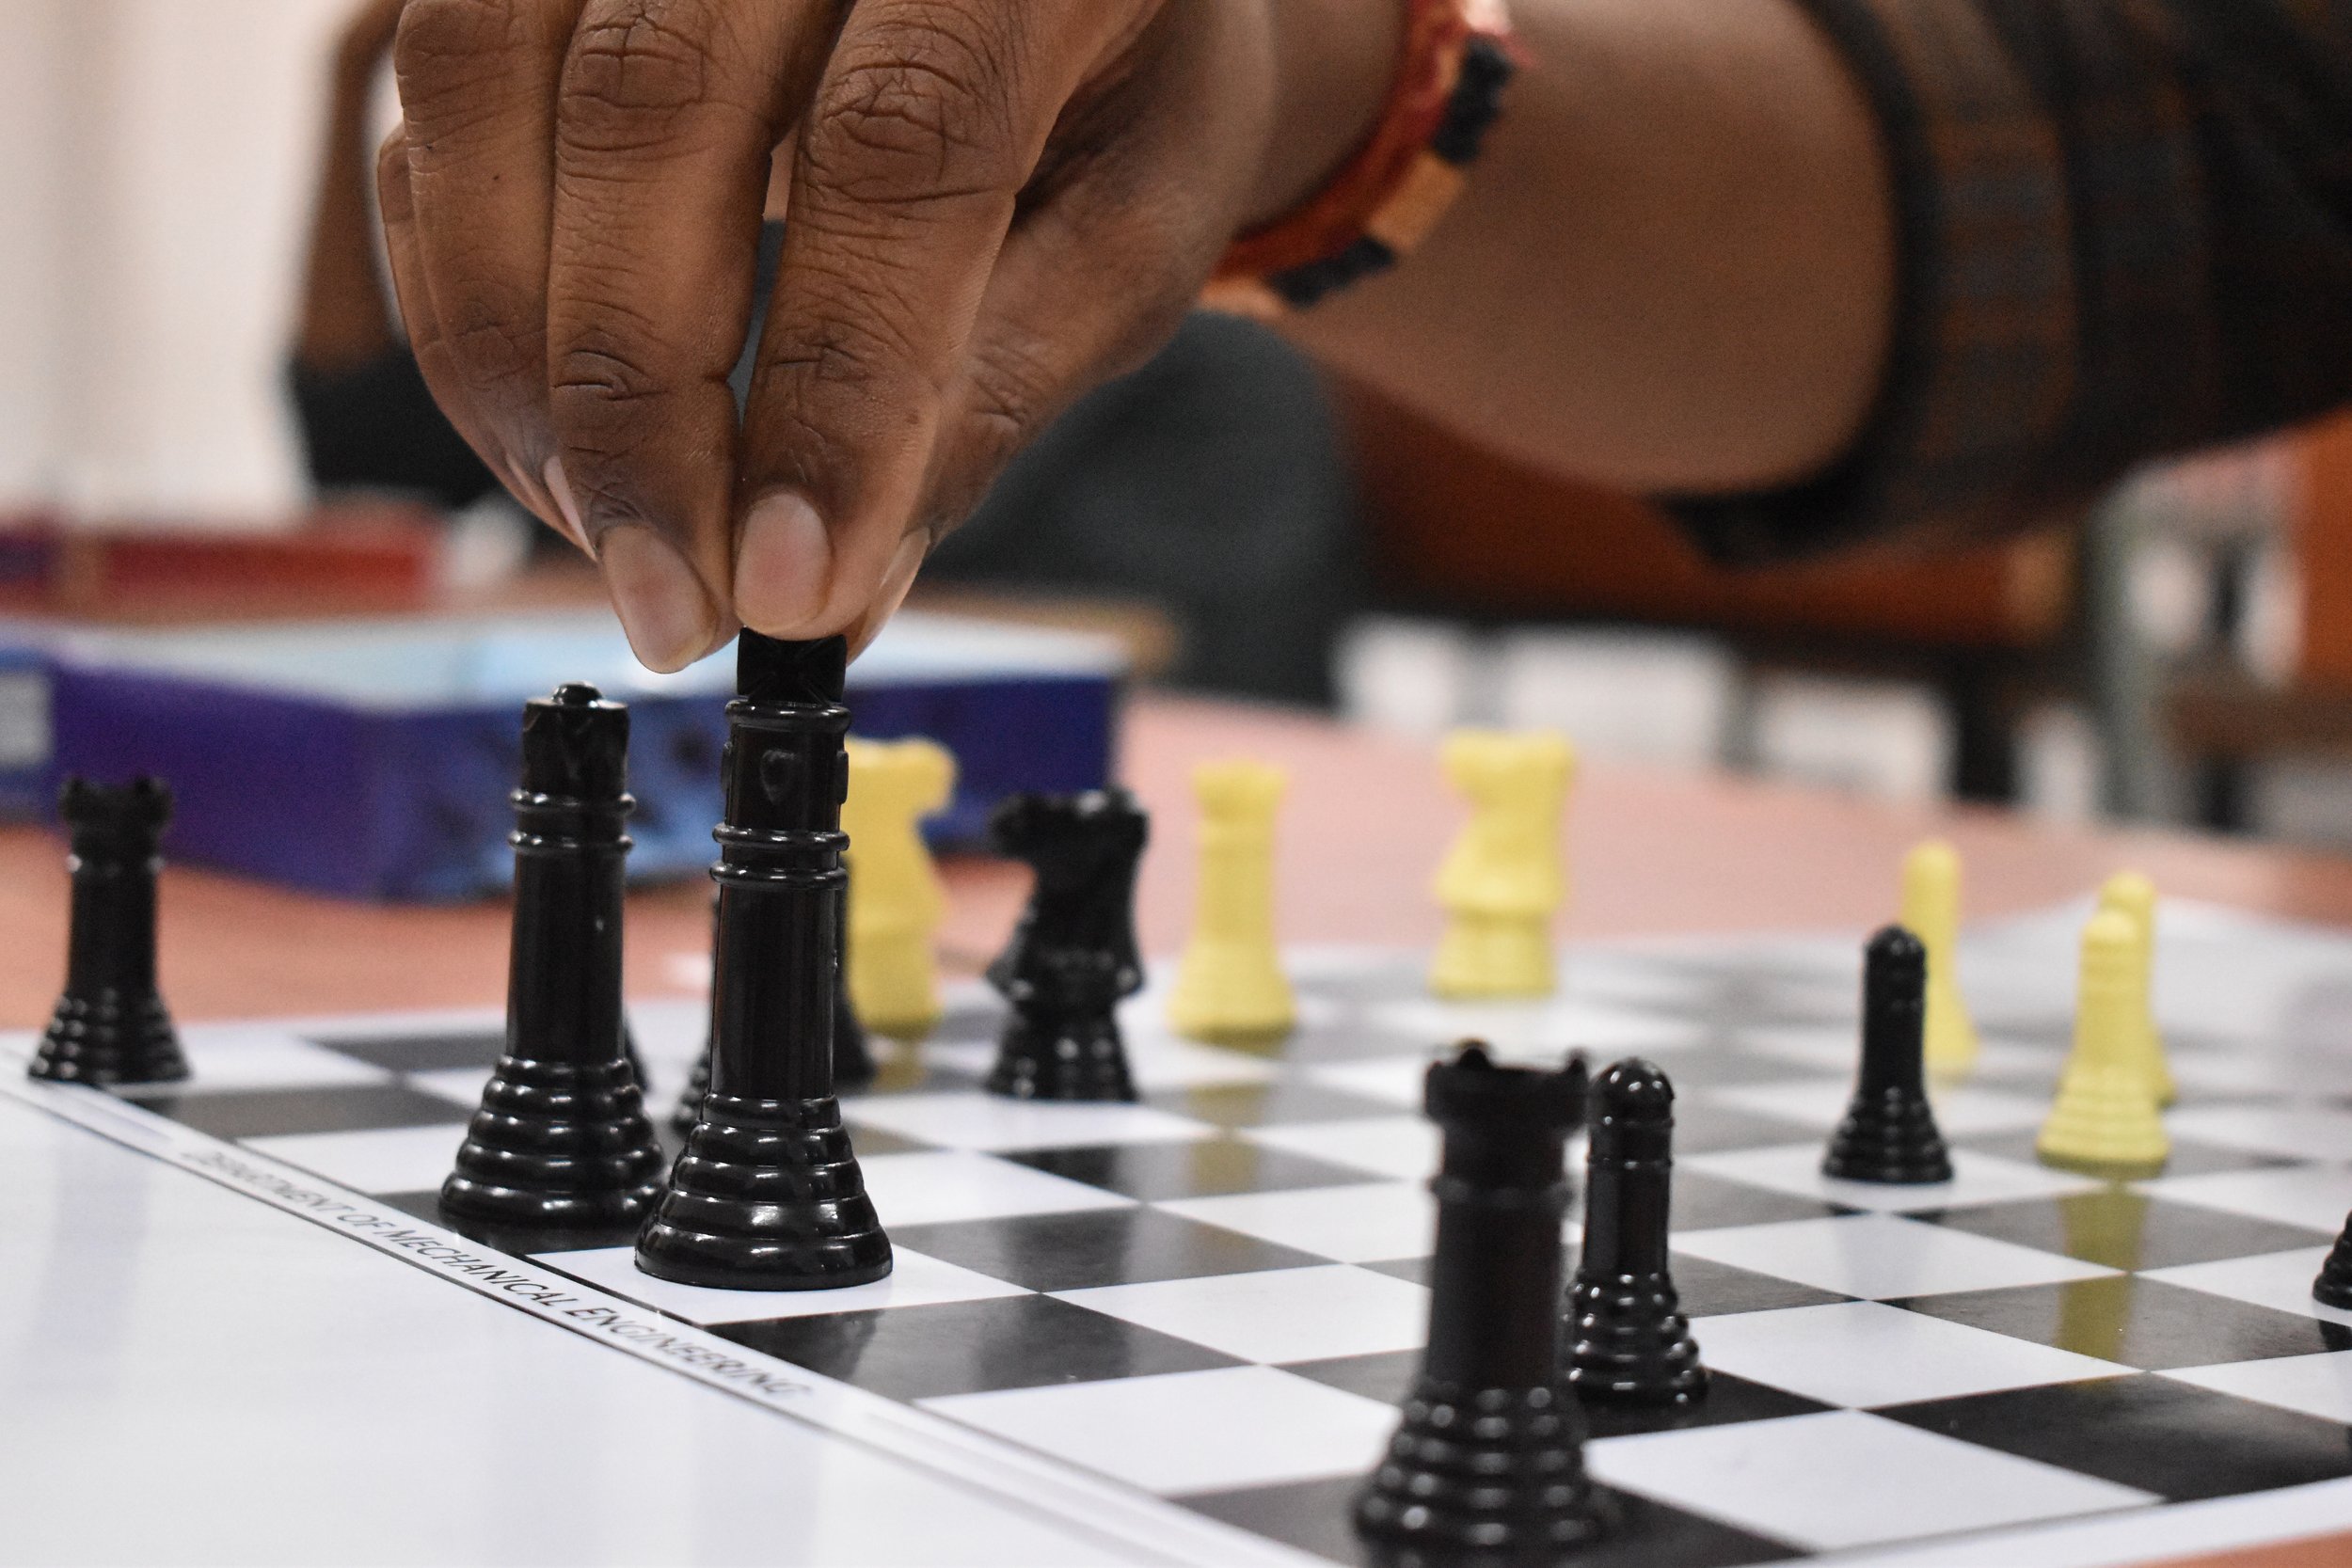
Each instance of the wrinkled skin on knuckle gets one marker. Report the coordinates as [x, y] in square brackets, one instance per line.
[451, 58]
[631, 85]
[913, 115]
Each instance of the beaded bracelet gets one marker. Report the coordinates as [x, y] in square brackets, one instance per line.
[1453, 65]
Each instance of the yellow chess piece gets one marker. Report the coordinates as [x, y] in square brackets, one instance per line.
[1230, 984]
[2130, 893]
[2105, 1119]
[896, 899]
[1931, 912]
[1501, 880]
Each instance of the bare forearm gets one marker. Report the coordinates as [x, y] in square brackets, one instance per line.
[1672, 268]
[345, 319]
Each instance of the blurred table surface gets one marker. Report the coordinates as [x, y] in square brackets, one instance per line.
[1367, 818]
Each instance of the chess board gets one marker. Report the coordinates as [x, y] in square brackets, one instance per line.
[1184, 1323]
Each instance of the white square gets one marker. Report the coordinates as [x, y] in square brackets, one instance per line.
[1406, 1147]
[992, 1123]
[1822, 1103]
[913, 1280]
[459, 1085]
[1833, 1047]
[2280, 1280]
[1353, 1225]
[1190, 1431]
[1275, 1315]
[1976, 1179]
[2317, 1384]
[2300, 1130]
[1862, 1354]
[670, 1030]
[2314, 1198]
[1391, 1080]
[235, 1058]
[1844, 1478]
[1883, 1258]
[2258, 1073]
[934, 1188]
[1539, 1030]
[380, 1160]
[1157, 1059]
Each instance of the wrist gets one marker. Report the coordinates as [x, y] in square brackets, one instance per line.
[1334, 62]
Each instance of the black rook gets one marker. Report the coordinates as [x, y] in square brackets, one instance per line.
[1490, 1457]
[768, 1195]
[110, 1026]
[560, 1140]
[1889, 1134]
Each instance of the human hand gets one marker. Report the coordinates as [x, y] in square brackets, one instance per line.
[366, 39]
[993, 205]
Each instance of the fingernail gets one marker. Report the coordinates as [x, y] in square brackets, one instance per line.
[669, 618]
[560, 488]
[782, 564]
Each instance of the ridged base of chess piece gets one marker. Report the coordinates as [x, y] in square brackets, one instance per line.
[101, 1041]
[1493, 1472]
[556, 1146]
[1892, 1140]
[1494, 958]
[2333, 1288]
[687, 1111]
[1056, 1059]
[767, 1196]
[1629, 1343]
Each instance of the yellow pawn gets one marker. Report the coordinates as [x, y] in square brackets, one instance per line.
[896, 899]
[1502, 881]
[1230, 984]
[2130, 893]
[2105, 1119]
[1931, 912]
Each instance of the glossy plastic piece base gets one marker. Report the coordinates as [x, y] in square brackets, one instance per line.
[1890, 1139]
[556, 1148]
[101, 1041]
[767, 1197]
[1076, 1059]
[1631, 1343]
[2333, 1288]
[1483, 1474]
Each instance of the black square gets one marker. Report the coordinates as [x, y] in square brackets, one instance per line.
[2138, 1323]
[513, 1242]
[2188, 1159]
[1097, 1246]
[1729, 1401]
[423, 1052]
[2125, 1229]
[1413, 1270]
[1703, 1202]
[346, 1108]
[1206, 1167]
[1316, 1517]
[1722, 1067]
[1386, 1376]
[2176, 1440]
[1712, 1289]
[971, 1347]
[1270, 1104]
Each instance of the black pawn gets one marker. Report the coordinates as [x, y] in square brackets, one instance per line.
[110, 1025]
[1490, 1457]
[2333, 1288]
[1072, 956]
[852, 1058]
[561, 1141]
[1889, 1133]
[768, 1195]
[1629, 1342]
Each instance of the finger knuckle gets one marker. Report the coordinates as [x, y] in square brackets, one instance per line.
[448, 52]
[914, 115]
[636, 83]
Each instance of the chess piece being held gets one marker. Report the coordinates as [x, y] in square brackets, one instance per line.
[2105, 1121]
[110, 1025]
[1889, 1133]
[1502, 881]
[1230, 985]
[1629, 1343]
[560, 1140]
[896, 898]
[1072, 955]
[1931, 912]
[768, 1195]
[1488, 1458]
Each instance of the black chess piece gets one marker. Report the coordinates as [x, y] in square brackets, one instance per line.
[1629, 1342]
[1072, 955]
[110, 1025]
[561, 1141]
[768, 1195]
[1488, 1458]
[1889, 1134]
[2333, 1288]
[852, 1057]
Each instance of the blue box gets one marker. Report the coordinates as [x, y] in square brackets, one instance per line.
[373, 758]
[24, 742]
